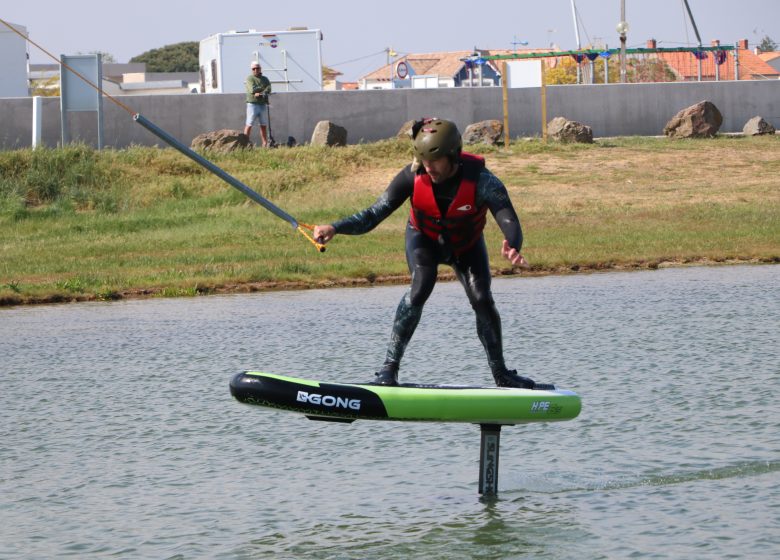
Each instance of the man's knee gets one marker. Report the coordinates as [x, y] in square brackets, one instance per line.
[482, 301]
[422, 286]
[418, 296]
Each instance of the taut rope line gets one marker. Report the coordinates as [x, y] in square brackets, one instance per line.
[58, 61]
[170, 140]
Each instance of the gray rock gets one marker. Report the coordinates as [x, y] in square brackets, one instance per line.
[485, 132]
[222, 141]
[405, 131]
[702, 120]
[327, 133]
[757, 126]
[562, 129]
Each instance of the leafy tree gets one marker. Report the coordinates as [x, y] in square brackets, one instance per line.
[613, 70]
[637, 70]
[179, 57]
[767, 44]
[564, 72]
[328, 71]
[646, 70]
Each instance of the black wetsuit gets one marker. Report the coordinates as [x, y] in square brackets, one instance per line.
[423, 256]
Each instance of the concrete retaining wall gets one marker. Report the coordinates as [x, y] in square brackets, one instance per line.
[612, 110]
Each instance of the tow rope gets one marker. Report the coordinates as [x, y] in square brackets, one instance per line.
[174, 143]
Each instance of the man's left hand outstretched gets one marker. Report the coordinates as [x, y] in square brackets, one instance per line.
[511, 254]
[324, 233]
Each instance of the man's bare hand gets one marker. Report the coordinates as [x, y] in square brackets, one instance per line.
[511, 254]
[323, 234]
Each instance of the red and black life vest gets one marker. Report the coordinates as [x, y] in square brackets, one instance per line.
[463, 223]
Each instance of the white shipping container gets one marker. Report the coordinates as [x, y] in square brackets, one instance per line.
[291, 59]
[13, 62]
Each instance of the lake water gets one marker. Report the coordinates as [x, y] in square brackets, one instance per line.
[119, 437]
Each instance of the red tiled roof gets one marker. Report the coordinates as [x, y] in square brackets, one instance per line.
[751, 67]
[767, 56]
[683, 64]
[446, 64]
[441, 63]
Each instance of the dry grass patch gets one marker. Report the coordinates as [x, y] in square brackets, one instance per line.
[642, 179]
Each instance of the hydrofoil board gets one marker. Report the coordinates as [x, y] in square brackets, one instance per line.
[346, 402]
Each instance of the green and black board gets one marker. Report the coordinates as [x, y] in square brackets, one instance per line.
[346, 402]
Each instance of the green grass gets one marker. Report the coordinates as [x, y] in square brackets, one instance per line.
[77, 223]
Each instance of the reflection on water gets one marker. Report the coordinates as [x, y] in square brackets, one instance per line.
[118, 435]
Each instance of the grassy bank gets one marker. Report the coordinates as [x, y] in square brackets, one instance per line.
[80, 224]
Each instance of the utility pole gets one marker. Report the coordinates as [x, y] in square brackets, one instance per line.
[577, 35]
[622, 29]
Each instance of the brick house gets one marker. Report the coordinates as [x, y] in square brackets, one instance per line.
[750, 66]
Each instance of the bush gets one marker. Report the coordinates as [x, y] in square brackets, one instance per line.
[179, 57]
[73, 176]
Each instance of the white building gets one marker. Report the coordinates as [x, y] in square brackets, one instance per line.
[13, 62]
[291, 60]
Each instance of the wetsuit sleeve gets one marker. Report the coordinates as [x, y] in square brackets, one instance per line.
[491, 191]
[395, 195]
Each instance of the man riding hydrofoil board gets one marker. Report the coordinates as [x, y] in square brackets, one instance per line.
[451, 192]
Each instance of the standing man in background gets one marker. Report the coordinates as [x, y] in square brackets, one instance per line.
[257, 89]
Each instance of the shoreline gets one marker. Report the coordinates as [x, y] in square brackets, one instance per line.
[371, 280]
[82, 225]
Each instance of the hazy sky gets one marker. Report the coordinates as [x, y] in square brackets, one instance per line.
[356, 32]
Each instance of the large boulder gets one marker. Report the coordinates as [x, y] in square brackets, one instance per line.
[405, 131]
[702, 120]
[562, 129]
[757, 126]
[327, 133]
[222, 141]
[485, 132]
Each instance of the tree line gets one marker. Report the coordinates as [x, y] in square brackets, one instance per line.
[179, 57]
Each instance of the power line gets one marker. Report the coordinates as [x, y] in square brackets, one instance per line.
[383, 51]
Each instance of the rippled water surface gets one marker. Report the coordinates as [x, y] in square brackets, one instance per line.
[119, 438]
